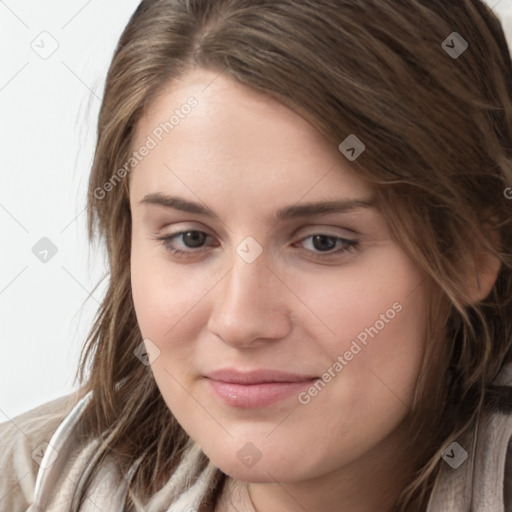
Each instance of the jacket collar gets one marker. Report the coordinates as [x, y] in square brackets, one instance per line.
[478, 483]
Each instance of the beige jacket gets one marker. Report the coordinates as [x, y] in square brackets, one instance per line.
[40, 461]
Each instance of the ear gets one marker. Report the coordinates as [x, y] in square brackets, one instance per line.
[483, 277]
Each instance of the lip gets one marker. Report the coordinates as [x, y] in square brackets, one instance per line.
[256, 388]
[258, 376]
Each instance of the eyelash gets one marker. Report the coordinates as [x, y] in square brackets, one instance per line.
[349, 245]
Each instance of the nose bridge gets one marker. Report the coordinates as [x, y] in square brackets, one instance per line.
[247, 305]
[247, 283]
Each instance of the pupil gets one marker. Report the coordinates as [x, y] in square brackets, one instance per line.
[322, 245]
[195, 237]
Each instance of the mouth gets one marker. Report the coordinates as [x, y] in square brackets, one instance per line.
[257, 388]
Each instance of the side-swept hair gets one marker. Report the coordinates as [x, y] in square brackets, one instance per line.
[438, 137]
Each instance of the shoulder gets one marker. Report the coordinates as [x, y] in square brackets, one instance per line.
[504, 431]
[476, 472]
[508, 476]
[494, 447]
[23, 440]
[494, 462]
[495, 457]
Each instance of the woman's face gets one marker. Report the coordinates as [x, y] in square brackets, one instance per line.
[264, 282]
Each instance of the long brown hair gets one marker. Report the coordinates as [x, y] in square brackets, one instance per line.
[438, 135]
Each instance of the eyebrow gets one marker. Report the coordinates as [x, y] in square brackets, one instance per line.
[287, 212]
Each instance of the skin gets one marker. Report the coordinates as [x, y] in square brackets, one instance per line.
[244, 155]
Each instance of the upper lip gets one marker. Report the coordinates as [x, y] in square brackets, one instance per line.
[256, 376]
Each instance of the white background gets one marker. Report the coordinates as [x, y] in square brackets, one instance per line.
[48, 112]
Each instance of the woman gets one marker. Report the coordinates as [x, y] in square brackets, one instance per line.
[306, 209]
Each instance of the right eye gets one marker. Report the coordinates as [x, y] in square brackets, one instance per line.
[191, 239]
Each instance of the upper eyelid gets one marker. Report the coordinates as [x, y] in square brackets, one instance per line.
[317, 228]
[172, 236]
[154, 210]
[318, 231]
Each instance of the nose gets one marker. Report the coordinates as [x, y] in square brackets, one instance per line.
[250, 305]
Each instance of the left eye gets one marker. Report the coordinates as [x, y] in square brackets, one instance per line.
[322, 244]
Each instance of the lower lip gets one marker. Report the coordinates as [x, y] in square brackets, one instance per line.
[254, 396]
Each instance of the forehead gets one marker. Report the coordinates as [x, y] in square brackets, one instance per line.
[237, 137]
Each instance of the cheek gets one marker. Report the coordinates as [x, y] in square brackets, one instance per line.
[377, 322]
[374, 384]
[164, 301]
[163, 294]
[169, 305]
[379, 303]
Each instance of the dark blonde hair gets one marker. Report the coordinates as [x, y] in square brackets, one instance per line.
[438, 137]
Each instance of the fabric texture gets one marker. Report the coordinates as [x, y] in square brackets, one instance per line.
[30, 482]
